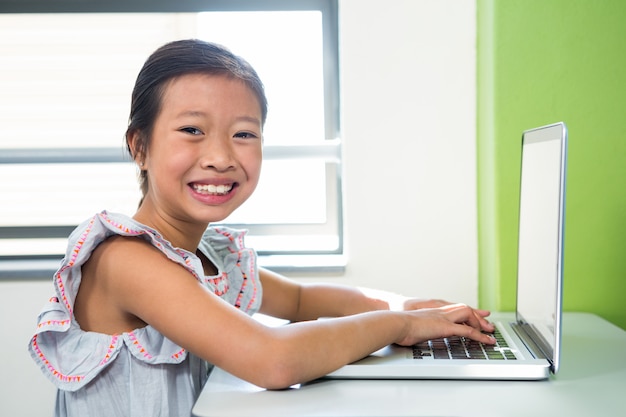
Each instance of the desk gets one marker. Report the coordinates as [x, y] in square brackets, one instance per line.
[585, 386]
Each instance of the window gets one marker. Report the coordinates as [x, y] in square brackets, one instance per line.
[66, 77]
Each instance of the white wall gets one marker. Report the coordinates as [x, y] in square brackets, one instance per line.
[24, 391]
[408, 124]
[408, 96]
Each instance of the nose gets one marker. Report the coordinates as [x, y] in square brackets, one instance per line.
[218, 154]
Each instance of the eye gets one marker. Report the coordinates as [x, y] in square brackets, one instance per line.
[192, 131]
[245, 135]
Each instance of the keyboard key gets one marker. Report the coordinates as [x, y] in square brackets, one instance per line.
[462, 348]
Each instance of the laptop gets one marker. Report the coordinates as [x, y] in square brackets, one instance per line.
[529, 341]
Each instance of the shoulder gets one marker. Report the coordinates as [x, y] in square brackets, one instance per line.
[118, 243]
[114, 245]
[120, 253]
[127, 283]
[118, 265]
[129, 264]
[119, 257]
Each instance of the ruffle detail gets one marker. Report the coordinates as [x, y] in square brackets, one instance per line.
[76, 358]
[229, 246]
[71, 357]
[150, 346]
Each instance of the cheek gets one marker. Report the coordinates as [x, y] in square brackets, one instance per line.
[250, 159]
[178, 160]
[176, 154]
[167, 164]
[255, 167]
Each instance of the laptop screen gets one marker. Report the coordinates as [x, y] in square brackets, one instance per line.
[541, 221]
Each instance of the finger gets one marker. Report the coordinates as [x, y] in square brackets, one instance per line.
[485, 324]
[474, 320]
[461, 313]
[477, 320]
[476, 334]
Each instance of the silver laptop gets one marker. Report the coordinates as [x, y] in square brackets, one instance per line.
[528, 341]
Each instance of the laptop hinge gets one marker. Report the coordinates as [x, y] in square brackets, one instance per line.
[533, 341]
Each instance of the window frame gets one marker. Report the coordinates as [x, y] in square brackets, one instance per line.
[330, 151]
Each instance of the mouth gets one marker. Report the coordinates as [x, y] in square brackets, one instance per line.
[213, 189]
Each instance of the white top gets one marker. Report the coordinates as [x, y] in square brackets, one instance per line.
[138, 373]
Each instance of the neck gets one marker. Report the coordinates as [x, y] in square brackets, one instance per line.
[180, 233]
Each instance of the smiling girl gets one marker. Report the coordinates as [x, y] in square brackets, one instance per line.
[146, 305]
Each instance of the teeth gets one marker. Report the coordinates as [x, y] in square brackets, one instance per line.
[213, 189]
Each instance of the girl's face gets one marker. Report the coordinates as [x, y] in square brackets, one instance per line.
[204, 158]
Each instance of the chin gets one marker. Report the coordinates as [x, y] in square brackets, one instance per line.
[213, 217]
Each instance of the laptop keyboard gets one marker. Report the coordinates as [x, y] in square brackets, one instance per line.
[462, 348]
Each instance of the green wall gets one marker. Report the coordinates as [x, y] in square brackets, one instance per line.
[539, 62]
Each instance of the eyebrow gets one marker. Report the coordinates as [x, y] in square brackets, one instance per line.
[250, 119]
[192, 113]
[197, 113]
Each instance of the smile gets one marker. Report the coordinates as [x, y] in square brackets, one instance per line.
[211, 189]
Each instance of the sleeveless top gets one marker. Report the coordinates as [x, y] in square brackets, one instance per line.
[141, 372]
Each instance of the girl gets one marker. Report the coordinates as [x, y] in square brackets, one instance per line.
[143, 305]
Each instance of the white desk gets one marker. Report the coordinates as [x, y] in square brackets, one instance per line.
[585, 386]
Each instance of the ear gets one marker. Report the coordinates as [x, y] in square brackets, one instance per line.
[133, 141]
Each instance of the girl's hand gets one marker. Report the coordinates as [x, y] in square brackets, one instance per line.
[444, 320]
[417, 304]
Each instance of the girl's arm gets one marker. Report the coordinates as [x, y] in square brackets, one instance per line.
[293, 301]
[136, 280]
[290, 300]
